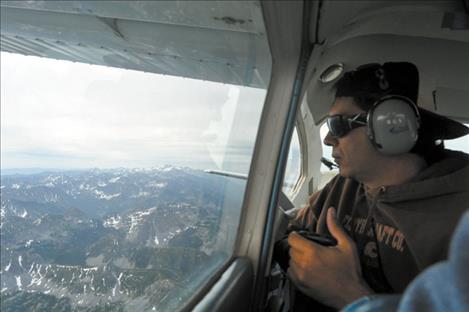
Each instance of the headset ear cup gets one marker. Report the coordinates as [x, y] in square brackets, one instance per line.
[393, 125]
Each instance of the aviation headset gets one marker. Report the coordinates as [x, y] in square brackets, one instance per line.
[393, 121]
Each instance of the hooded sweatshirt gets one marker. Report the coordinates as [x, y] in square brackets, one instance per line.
[399, 230]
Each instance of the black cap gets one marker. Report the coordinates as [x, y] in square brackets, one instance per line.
[442, 127]
[369, 82]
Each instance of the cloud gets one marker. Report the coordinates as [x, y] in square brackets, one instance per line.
[63, 114]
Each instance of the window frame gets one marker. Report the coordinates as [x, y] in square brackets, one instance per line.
[263, 182]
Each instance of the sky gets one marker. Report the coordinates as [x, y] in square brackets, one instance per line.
[65, 115]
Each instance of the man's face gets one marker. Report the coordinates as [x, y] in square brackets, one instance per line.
[354, 153]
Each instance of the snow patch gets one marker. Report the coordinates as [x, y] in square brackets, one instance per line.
[90, 269]
[51, 199]
[31, 268]
[114, 222]
[51, 180]
[141, 194]
[86, 187]
[15, 186]
[137, 217]
[7, 268]
[102, 195]
[24, 214]
[18, 282]
[158, 184]
[114, 180]
[117, 284]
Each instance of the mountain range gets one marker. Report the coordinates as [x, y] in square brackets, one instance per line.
[110, 239]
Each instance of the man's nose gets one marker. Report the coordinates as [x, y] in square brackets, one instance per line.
[329, 140]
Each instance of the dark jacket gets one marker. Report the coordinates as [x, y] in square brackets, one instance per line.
[400, 230]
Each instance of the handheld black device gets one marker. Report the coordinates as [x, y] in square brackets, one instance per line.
[281, 249]
[321, 239]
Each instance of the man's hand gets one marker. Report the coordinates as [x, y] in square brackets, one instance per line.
[331, 275]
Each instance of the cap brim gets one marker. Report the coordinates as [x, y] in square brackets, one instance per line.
[442, 127]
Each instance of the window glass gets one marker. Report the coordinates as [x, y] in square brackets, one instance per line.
[106, 204]
[293, 169]
[459, 144]
[326, 173]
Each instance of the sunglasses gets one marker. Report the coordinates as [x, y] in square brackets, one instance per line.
[340, 125]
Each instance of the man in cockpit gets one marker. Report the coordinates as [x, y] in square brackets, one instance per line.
[398, 196]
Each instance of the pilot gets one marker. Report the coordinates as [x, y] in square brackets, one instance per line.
[398, 195]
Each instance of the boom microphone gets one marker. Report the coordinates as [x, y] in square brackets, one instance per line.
[328, 163]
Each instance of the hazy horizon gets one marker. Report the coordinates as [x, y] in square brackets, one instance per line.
[35, 170]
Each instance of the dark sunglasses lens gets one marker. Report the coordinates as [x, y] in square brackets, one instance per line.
[337, 126]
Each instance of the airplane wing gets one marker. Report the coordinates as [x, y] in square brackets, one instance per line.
[283, 200]
[214, 42]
